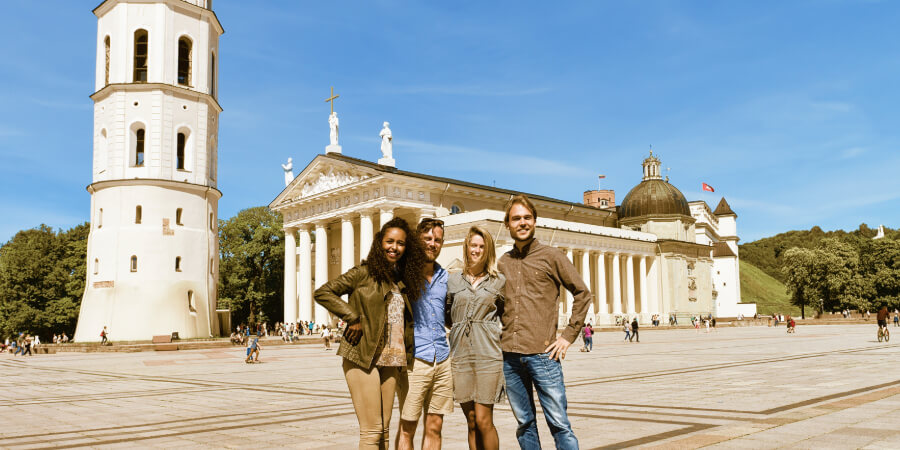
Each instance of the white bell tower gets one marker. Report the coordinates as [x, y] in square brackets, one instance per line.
[153, 245]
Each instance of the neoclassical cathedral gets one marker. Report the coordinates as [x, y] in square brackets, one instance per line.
[656, 253]
[153, 244]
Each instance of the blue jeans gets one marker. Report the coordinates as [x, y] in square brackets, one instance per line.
[589, 343]
[524, 374]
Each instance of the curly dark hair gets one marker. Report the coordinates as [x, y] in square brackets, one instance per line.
[410, 267]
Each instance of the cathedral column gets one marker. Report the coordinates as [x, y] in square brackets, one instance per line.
[600, 274]
[642, 285]
[617, 283]
[386, 213]
[629, 284]
[290, 275]
[321, 314]
[365, 233]
[305, 279]
[655, 298]
[348, 247]
[586, 276]
[569, 298]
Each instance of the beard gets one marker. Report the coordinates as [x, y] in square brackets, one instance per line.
[513, 234]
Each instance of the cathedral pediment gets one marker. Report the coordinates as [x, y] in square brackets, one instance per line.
[322, 175]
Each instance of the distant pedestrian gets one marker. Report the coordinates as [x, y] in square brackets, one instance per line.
[626, 327]
[252, 349]
[27, 346]
[588, 338]
[634, 329]
[326, 337]
[713, 323]
[103, 337]
[896, 318]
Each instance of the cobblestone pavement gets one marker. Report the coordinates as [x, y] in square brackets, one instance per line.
[825, 387]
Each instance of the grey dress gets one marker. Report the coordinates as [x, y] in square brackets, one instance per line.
[477, 360]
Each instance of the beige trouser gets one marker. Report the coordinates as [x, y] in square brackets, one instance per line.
[372, 392]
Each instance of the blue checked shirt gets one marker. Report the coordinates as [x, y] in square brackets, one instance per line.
[428, 319]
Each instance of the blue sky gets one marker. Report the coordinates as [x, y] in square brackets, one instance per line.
[787, 108]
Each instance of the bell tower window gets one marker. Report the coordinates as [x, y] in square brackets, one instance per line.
[184, 61]
[140, 56]
[212, 75]
[179, 155]
[137, 214]
[178, 217]
[133, 263]
[106, 65]
[139, 148]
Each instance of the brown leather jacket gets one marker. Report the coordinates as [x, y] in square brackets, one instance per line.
[368, 304]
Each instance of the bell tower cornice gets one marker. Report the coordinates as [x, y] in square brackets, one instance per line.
[147, 87]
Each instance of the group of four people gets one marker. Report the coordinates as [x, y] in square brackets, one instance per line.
[503, 332]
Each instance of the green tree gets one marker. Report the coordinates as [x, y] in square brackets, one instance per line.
[251, 267]
[802, 277]
[42, 277]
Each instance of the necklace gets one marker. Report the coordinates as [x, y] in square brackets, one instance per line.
[473, 279]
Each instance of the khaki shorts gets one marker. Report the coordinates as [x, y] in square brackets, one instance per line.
[429, 387]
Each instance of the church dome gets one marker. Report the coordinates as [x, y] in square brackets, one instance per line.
[653, 196]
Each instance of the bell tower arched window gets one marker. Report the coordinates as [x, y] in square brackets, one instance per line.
[212, 75]
[137, 214]
[106, 65]
[184, 61]
[141, 54]
[179, 153]
[139, 147]
[133, 263]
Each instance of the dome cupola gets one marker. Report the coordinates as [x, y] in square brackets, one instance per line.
[653, 197]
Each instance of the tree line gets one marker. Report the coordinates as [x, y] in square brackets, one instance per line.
[832, 271]
[42, 274]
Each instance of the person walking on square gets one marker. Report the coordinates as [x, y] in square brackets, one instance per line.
[634, 329]
[379, 341]
[428, 385]
[475, 301]
[896, 318]
[326, 337]
[588, 338]
[532, 353]
[103, 337]
[626, 327]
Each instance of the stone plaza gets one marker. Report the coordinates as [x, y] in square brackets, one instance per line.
[827, 386]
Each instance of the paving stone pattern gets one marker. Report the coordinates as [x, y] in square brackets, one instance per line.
[756, 387]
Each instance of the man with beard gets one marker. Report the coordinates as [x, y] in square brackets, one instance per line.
[429, 385]
[532, 353]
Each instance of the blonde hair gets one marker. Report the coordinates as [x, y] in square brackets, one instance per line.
[490, 253]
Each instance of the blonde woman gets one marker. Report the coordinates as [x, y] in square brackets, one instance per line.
[475, 304]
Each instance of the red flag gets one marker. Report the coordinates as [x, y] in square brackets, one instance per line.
[707, 187]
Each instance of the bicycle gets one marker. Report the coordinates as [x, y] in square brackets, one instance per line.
[884, 334]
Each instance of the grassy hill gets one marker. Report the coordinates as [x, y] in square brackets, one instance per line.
[769, 294]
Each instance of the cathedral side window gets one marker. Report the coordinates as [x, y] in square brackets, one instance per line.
[184, 61]
[137, 214]
[106, 70]
[455, 209]
[192, 307]
[96, 266]
[140, 56]
[178, 264]
[179, 153]
[133, 263]
[178, 217]
[139, 147]
[100, 219]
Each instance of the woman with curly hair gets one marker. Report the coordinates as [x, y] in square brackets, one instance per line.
[378, 341]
